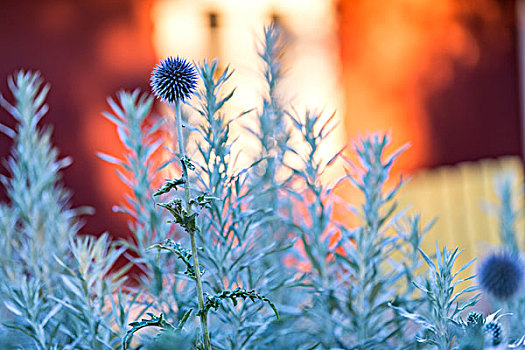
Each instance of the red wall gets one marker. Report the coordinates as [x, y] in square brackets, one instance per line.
[86, 50]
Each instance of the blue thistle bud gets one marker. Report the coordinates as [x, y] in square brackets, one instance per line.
[474, 318]
[173, 80]
[494, 332]
[501, 275]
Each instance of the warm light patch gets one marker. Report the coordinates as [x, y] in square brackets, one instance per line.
[312, 71]
[395, 55]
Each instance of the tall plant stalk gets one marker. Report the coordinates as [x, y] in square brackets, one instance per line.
[187, 207]
[175, 80]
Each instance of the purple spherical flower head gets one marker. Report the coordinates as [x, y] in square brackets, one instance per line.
[501, 274]
[173, 80]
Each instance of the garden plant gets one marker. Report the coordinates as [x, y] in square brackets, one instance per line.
[234, 256]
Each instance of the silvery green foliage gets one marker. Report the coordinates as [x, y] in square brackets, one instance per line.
[57, 292]
[271, 130]
[8, 227]
[86, 290]
[223, 233]
[408, 264]
[31, 310]
[327, 314]
[312, 222]
[363, 289]
[138, 170]
[80, 310]
[272, 133]
[507, 212]
[129, 115]
[38, 222]
[230, 231]
[44, 219]
[171, 340]
[440, 322]
[410, 232]
[372, 276]
[347, 304]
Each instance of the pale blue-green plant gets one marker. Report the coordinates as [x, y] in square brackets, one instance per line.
[159, 287]
[44, 219]
[314, 228]
[508, 210]
[271, 133]
[230, 230]
[440, 322]
[138, 168]
[409, 266]
[31, 312]
[271, 130]
[86, 290]
[326, 322]
[38, 222]
[211, 212]
[57, 290]
[140, 172]
[363, 290]
[411, 232]
[371, 276]
[352, 277]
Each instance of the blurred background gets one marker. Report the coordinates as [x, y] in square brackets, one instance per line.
[444, 75]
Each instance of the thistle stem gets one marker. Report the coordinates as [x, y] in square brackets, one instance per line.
[198, 281]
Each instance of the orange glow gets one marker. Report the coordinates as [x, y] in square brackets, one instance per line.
[104, 135]
[395, 54]
[122, 49]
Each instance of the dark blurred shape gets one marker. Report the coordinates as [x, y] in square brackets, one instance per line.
[214, 19]
[214, 41]
[478, 114]
[501, 274]
[275, 19]
[86, 50]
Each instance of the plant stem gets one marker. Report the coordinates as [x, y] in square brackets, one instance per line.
[200, 295]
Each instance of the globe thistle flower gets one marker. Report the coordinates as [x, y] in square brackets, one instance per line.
[494, 332]
[173, 80]
[501, 274]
